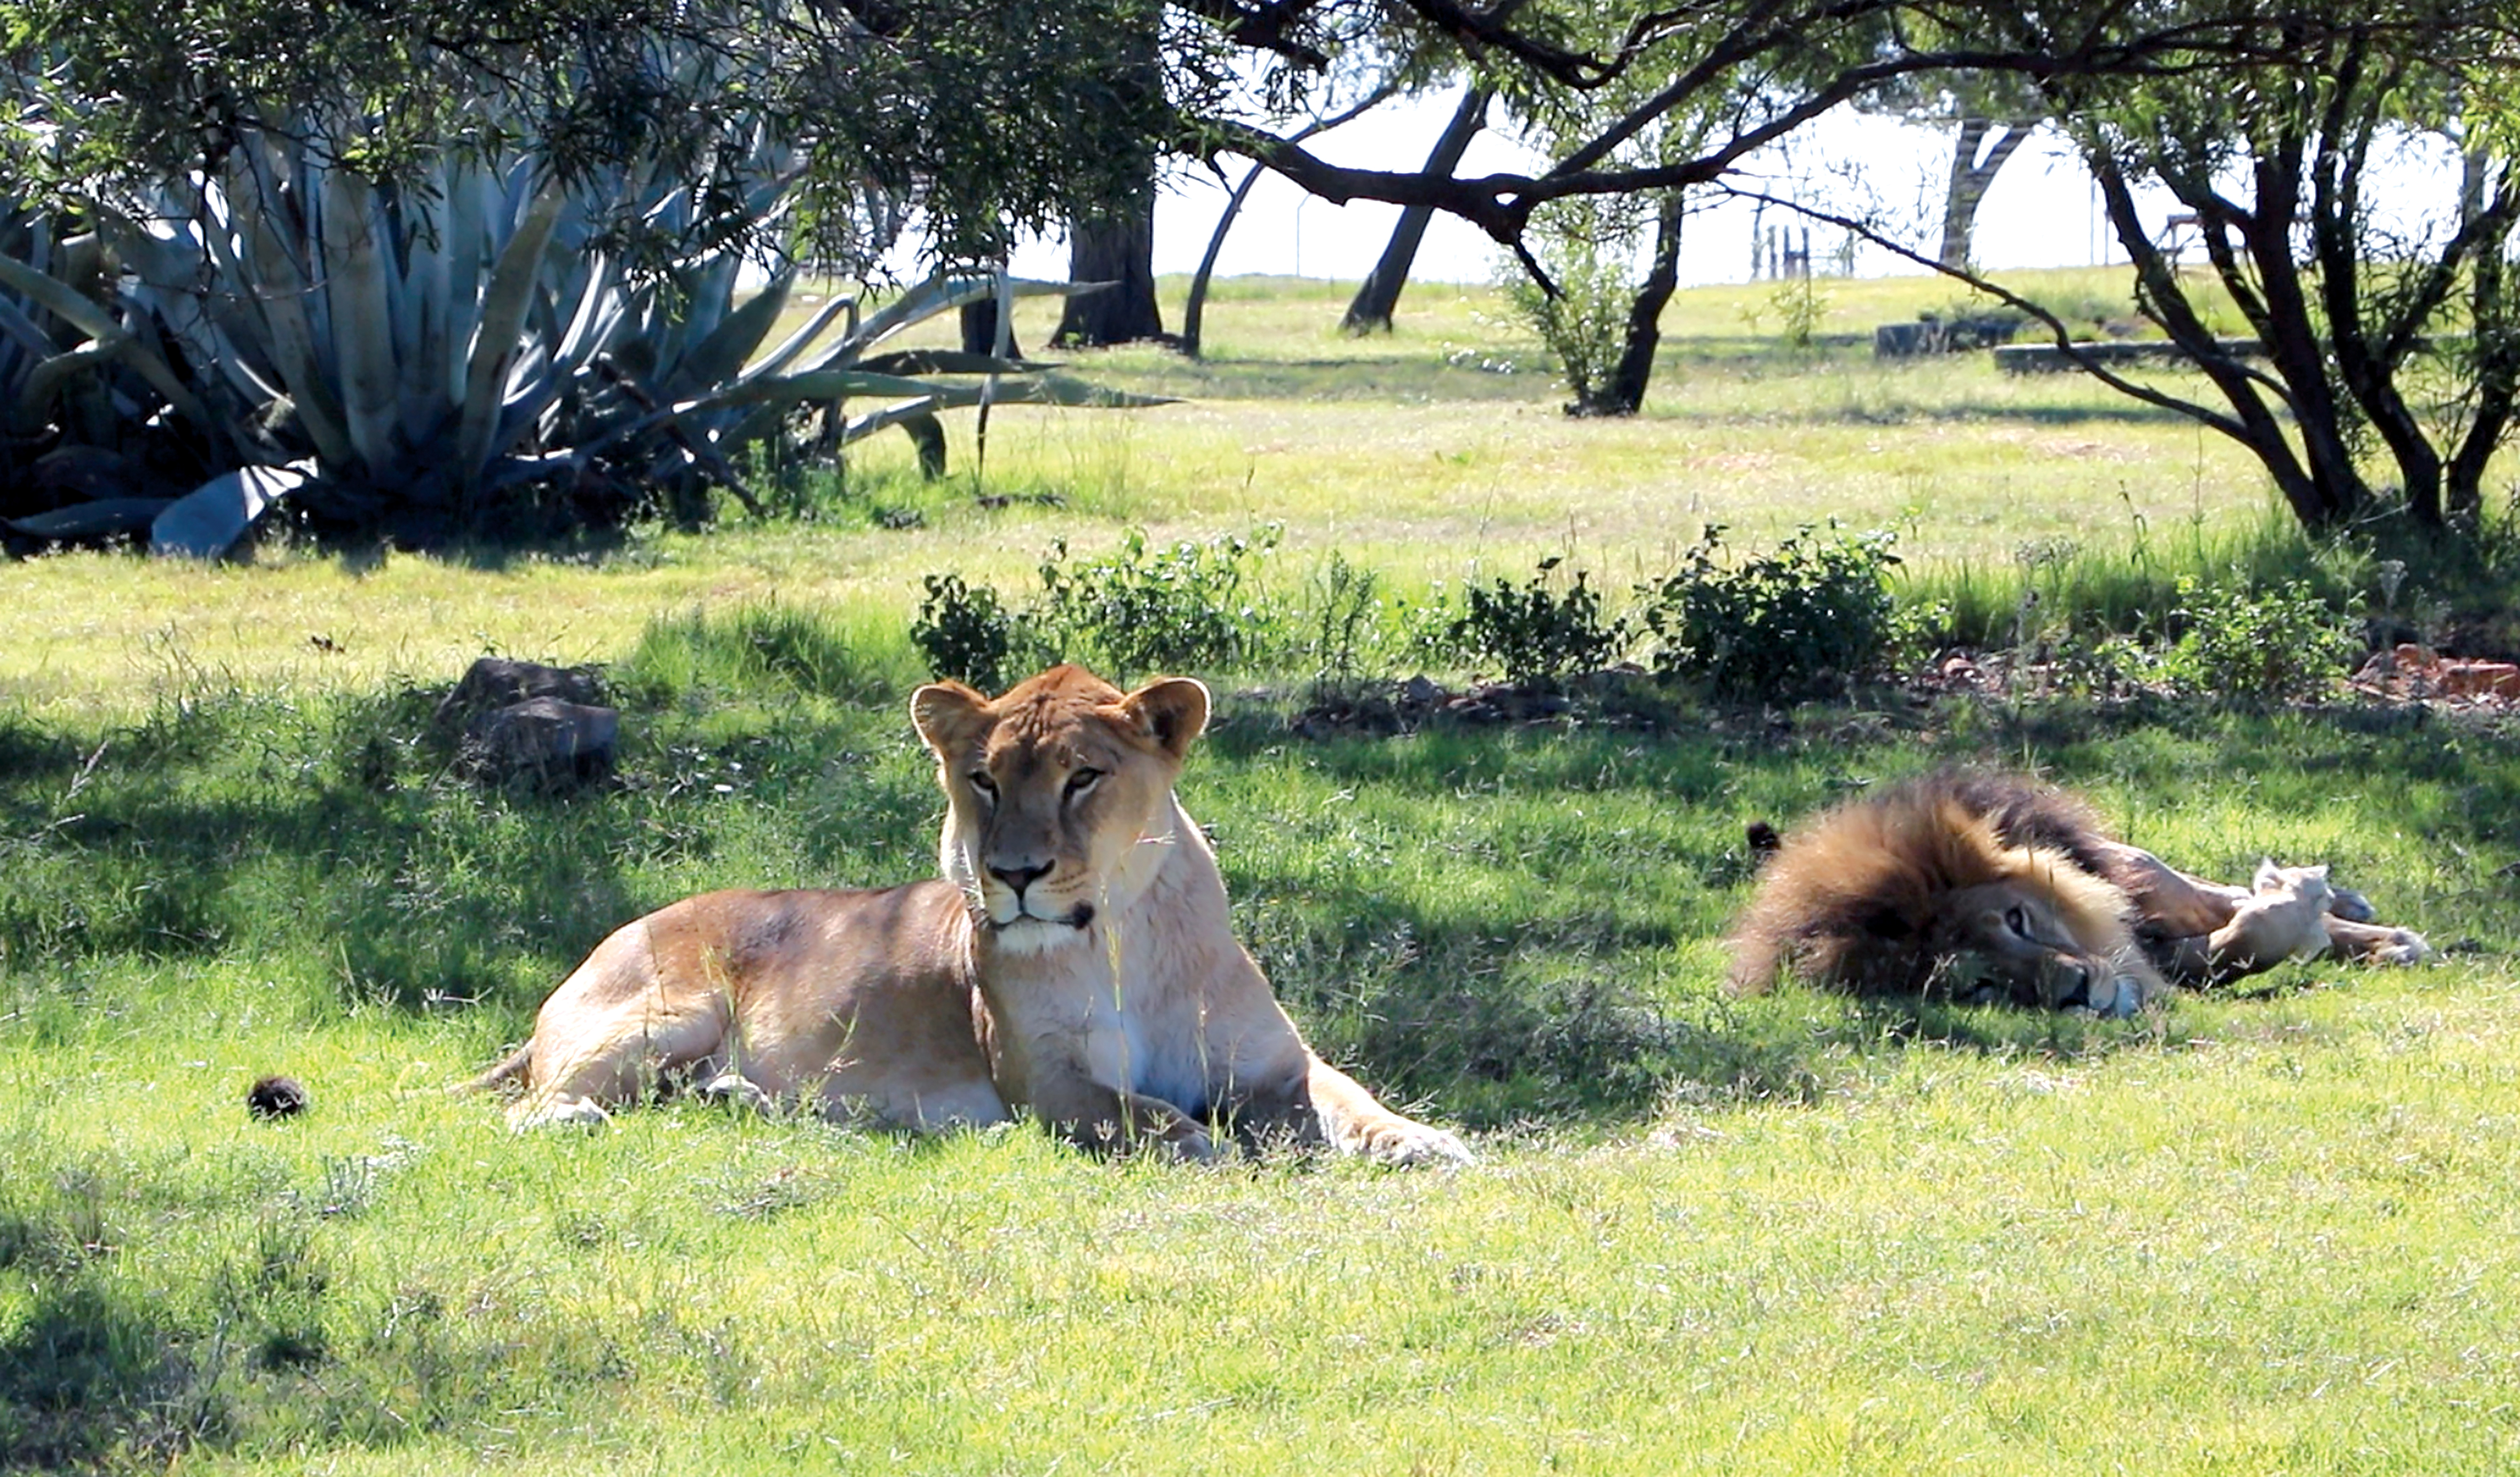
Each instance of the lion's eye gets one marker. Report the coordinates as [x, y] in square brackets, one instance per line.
[980, 781]
[2017, 920]
[1082, 780]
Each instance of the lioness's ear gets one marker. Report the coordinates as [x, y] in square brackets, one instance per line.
[1170, 710]
[2269, 878]
[944, 712]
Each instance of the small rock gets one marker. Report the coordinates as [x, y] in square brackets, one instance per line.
[498, 682]
[276, 1097]
[544, 739]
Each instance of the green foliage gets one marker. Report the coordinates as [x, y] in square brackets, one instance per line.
[1583, 246]
[1545, 631]
[1812, 615]
[989, 117]
[2242, 640]
[1799, 305]
[1346, 602]
[965, 633]
[1146, 607]
[1141, 610]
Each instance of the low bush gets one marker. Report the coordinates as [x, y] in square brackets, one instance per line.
[966, 633]
[2242, 640]
[1812, 615]
[1143, 608]
[1543, 631]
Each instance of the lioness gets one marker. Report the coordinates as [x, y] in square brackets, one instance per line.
[1076, 961]
[1992, 887]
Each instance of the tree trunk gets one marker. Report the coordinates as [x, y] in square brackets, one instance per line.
[1971, 177]
[2254, 424]
[1625, 393]
[980, 330]
[1118, 246]
[1194, 311]
[1380, 291]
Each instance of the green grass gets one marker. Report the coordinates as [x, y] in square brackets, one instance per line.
[2265, 1229]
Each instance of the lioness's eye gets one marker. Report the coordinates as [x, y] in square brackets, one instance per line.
[981, 782]
[1081, 781]
[2017, 920]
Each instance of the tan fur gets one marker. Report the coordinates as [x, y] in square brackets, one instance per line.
[1992, 887]
[1076, 963]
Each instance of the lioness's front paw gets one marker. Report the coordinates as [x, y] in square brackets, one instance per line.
[2405, 947]
[1405, 1145]
[557, 1112]
[738, 1090]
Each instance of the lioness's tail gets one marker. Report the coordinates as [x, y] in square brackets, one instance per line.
[511, 1066]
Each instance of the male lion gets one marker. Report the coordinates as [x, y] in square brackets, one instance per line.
[1991, 887]
[1076, 961]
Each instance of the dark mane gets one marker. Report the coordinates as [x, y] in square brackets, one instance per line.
[1857, 898]
[2026, 813]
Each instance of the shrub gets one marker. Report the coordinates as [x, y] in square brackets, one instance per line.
[1346, 602]
[1143, 608]
[1538, 633]
[1814, 614]
[965, 631]
[2242, 641]
[1584, 245]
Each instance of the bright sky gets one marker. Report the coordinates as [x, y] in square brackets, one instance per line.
[2042, 211]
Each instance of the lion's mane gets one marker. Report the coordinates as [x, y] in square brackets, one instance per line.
[1857, 898]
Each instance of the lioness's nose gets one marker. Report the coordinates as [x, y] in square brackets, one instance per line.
[1017, 879]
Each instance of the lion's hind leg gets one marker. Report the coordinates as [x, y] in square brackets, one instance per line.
[614, 1031]
[2374, 943]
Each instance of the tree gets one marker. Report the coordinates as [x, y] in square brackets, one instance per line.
[1113, 239]
[1975, 163]
[2374, 331]
[1113, 243]
[1624, 393]
[1375, 297]
[1991, 115]
[2360, 321]
[2262, 117]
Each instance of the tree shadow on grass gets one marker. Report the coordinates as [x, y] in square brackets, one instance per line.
[1591, 989]
[347, 847]
[89, 1374]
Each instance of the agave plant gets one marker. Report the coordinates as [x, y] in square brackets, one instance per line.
[424, 357]
[82, 397]
[402, 344]
[705, 408]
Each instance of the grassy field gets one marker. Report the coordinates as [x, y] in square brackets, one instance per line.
[2270, 1229]
[1399, 450]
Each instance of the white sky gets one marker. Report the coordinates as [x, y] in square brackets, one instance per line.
[2041, 212]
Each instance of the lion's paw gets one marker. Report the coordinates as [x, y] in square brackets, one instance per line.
[2405, 947]
[737, 1091]
[2351, 906]
[2116, 999]
[559, 1112]
[1411, 1146]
